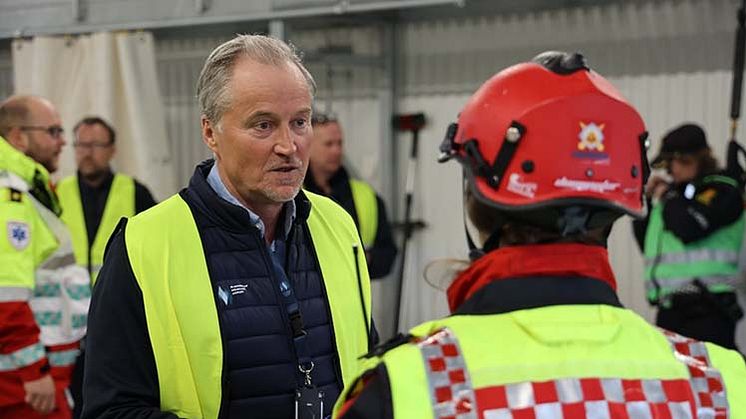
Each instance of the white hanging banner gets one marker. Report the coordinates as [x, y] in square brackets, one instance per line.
[111, 75]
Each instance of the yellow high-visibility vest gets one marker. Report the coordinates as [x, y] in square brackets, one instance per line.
[366, 207]
[167, 259]
[119, 203]
[542, 359]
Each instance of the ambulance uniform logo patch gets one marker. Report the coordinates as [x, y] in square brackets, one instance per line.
[19, 235]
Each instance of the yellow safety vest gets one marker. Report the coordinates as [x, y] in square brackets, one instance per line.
[165, 248]
[119, 203]
[537, 360]
[366, 207]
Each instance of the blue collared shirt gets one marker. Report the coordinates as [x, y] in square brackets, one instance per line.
[217, 185]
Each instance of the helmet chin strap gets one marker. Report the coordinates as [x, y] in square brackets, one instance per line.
[476, 252]
[477, 249]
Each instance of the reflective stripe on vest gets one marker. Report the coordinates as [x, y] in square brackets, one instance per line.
[120, 202]
[705, 380]
[592, 356]
[164, 246]
[450, 387]
[696, 256]
[452, 394]
[9, 294]
[366, 207]
[671, 265]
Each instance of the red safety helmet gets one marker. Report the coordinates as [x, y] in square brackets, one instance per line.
[552, 134]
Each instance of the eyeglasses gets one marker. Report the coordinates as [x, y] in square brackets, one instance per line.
[90, 146]
[55, 131]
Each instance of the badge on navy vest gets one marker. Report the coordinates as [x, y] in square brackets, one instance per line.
[19, 235]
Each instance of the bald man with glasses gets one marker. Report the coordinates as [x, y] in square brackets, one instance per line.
[44, 294]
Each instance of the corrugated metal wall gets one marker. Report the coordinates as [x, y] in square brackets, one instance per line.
[646, 49]
[6, 73]
[670, 58]
[179, 62]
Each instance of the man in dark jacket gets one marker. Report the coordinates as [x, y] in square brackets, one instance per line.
[92, 203]
[692, 239]
[327, 176]
[241, 296]
[96, 198]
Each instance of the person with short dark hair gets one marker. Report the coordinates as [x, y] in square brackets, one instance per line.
[327, 176]
[552, 156]
[692, 239]
[96, 198]
[93, 201]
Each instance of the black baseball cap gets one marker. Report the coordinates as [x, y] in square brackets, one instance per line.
[682, 140]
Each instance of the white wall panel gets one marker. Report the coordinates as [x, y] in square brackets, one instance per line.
[437, 202]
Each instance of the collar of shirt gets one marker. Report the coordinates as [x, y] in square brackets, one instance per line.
[216, 183]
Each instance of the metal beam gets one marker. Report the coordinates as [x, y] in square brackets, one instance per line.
[77, 11]
[341, 8]
[201, 6]
[277, 29]
[344, 60]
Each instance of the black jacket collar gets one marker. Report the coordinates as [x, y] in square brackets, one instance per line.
[513, 294]
[340, 178]
[223, 213]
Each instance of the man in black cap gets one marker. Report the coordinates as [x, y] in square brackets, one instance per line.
[691, 239]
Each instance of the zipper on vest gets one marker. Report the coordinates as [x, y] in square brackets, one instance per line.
[337, 362]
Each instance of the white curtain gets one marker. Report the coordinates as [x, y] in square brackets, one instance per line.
[112, 75]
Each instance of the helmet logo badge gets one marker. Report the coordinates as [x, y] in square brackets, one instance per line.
[591, 137]
[591, 142]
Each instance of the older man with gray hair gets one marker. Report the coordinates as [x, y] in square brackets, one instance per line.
[241, 296]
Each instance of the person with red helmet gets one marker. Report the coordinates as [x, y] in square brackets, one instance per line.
[552, 155]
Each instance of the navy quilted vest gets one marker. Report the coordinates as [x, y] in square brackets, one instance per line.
[260, 371]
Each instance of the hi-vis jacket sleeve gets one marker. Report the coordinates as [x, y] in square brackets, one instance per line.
[25, 244]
